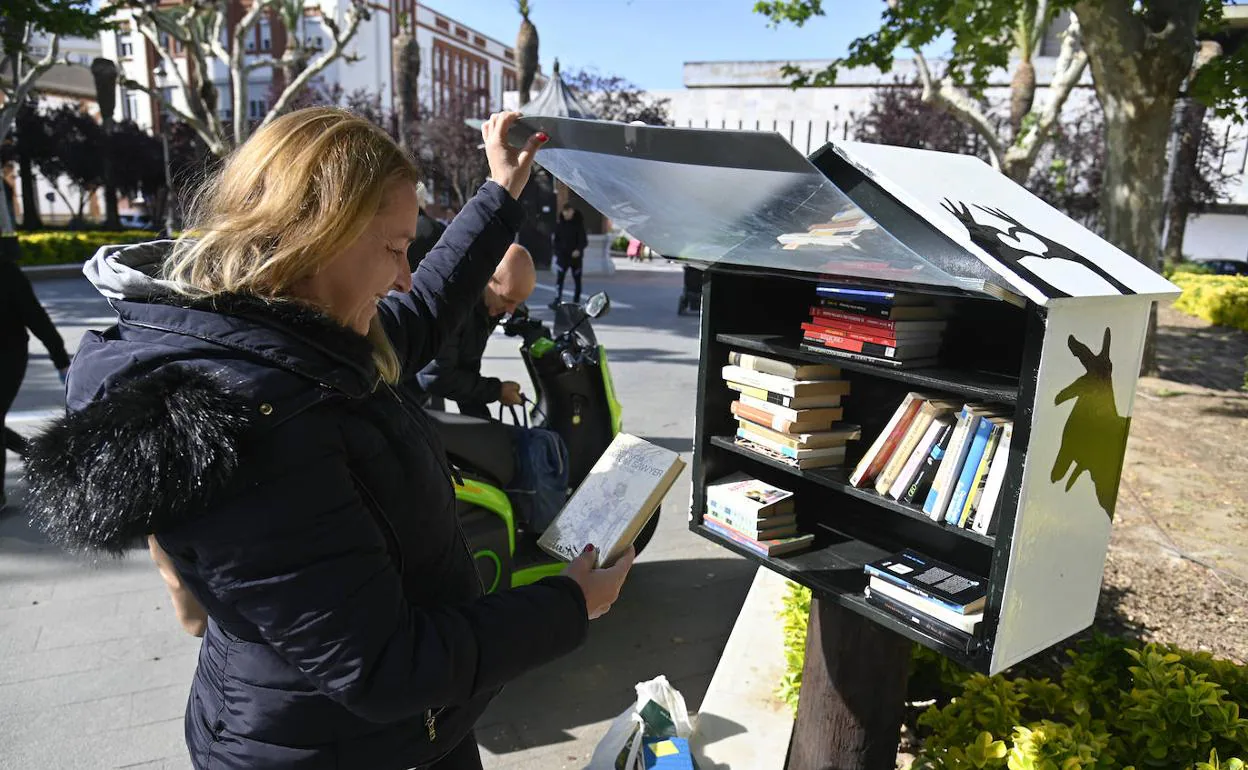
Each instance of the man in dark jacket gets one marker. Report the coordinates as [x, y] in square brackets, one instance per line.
[428, 231]
[456, 373]
[19, 311]
[570, 241]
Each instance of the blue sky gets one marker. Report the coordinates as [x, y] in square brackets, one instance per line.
[647, 41]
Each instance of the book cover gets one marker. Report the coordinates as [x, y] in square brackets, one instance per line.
[901, 351]
[789, 402]
[886, 325]
[937, 581]
[878, 453]
[773, 421]
[964, 623]
[807, 463]
[744, 495]
[910, 471]
[885, 312]
[837, 452]
[928, 411]
[950, 464]
[922, 483]
[818, 414]
[779, 547]
[893, 363]
[783, 368]
[838, 435]
[874, 296]
[929, 625]
[986, 515]
[977, 443]
[614, 502]
[765, 529]
[783, 385]
[980, 478]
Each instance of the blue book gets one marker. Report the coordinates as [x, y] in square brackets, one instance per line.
[875, 296]
[953, 513]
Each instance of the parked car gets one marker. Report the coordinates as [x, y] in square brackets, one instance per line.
[136, 222]
[1226, 266]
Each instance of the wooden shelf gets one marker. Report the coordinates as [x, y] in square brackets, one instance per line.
[838, 479]
[977, 385]
[832, 568]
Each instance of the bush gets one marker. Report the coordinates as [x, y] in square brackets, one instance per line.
[620, 243]
[1115, 704]
[1197, 268]
[1219, 299]
[64, 247]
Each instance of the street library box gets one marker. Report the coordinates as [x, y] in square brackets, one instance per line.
[1043, 320]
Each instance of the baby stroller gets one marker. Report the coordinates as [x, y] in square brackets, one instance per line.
[691, 294]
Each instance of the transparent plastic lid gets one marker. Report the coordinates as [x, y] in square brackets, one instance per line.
[735, 197]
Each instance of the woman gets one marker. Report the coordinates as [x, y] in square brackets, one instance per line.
[570, 243]
[20, 310]
[242, 410]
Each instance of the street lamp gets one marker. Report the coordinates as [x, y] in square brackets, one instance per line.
[162, 81]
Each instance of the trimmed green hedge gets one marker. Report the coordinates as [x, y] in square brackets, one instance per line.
[70, 246]
[1219, 299]
[1115, 704]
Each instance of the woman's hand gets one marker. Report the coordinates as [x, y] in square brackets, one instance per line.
[188, 609]
[509, 167]
[600, 586]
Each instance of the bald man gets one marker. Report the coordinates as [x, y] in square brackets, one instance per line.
[456, 373]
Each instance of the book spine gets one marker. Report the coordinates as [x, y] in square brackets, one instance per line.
[942, 632]
[852, 345]
[775, 410]
[779, 449]
[864, 308]
[962, 488]
[905, 448]
[942, 486]
[738, 538]
[981, 478]
[985, 520]
[915, 464]
[749, 527]
[873, 462]
[762, 394]
[761, 416]
[762, 365]
[922, 483]
[853, 318]
[857, 295]
[755, 431]
[959, 621]
[909, 587]
[824, 350]
[769, 382]
[815, 327]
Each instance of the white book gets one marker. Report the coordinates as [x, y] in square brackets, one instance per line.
[614, 502]
[783, 385]
[992, 488]
[784, 412]
[945, 615]
[915, 463]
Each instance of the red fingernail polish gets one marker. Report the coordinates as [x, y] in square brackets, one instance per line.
[589, 548]
[541, 136]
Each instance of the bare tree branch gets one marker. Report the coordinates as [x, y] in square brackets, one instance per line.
[951, 98]
[1071, 62]
[238, 70]
[25, 82]
[204, 131]
[357, 13]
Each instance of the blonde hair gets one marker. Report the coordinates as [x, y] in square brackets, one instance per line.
[296, 194]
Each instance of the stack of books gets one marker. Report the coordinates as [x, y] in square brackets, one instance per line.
[755, 515]
[947, 457]
[790, 412]
[943, 601]
[882, 327]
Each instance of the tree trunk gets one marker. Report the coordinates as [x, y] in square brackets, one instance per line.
[30, 195]
[1022, 95]
[405, 68]
[1186, 157]
[526, 52]
[1137, 72]
[853, 693]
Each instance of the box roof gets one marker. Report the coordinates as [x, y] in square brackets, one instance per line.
[876, 213]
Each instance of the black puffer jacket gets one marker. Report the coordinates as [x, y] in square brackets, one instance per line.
[310, 513]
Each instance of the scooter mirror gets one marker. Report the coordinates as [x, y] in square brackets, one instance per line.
[597, 305]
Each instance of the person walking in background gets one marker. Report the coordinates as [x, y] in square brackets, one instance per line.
[428, 231]
[570, 243]
[20, 311]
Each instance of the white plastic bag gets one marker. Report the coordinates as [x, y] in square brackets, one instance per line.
[659, 712]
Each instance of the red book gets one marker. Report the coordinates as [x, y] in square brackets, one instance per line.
[841, 331]
[889, 327]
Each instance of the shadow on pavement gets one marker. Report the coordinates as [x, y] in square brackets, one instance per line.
[674, 619]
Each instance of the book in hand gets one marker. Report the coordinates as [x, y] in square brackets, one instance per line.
[952, 588]
[779, 547]
[614, 502]
[792, 371]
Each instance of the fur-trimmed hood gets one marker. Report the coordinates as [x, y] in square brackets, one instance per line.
[159, 404]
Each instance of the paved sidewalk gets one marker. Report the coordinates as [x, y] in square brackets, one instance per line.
[94, 670]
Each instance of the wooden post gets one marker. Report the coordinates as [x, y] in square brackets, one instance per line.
[853, 693]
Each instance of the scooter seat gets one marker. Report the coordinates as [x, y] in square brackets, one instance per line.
[476, 444]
